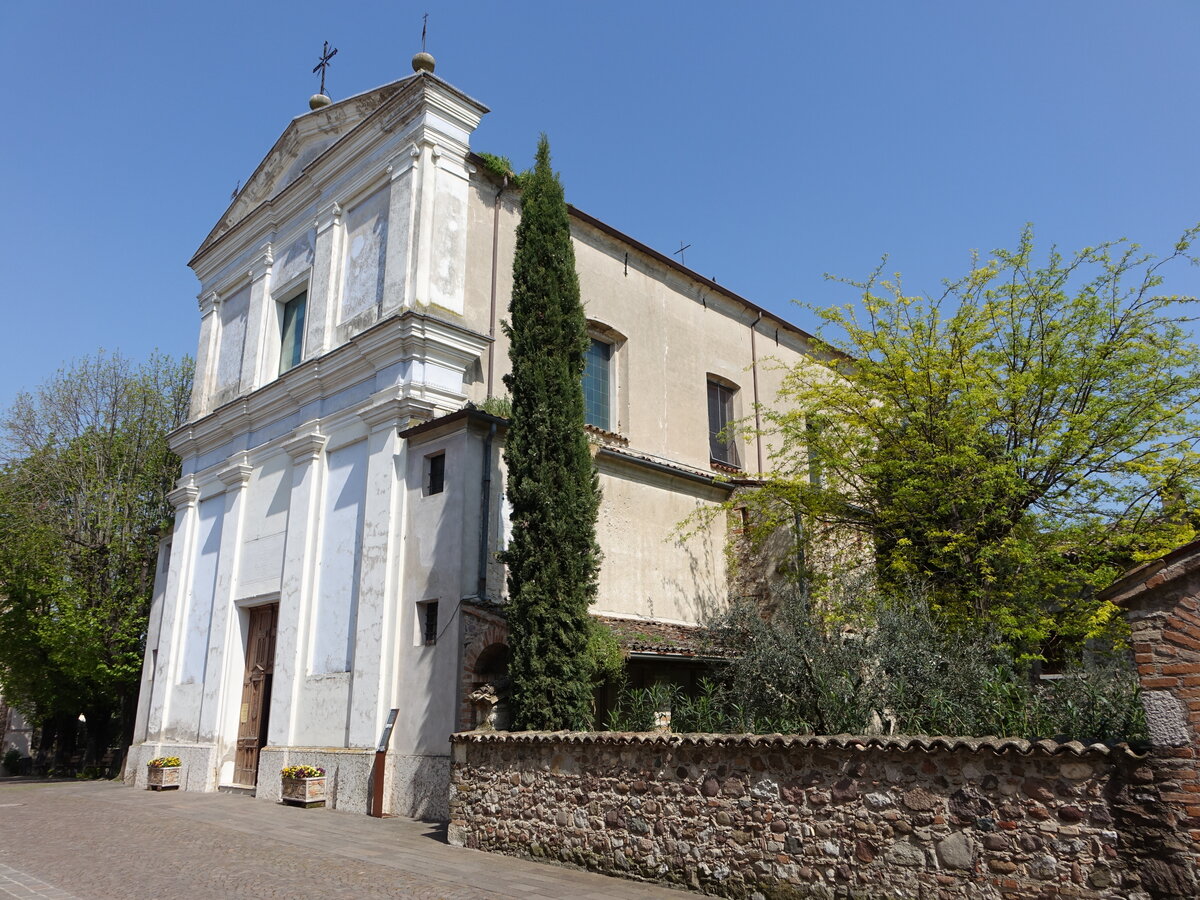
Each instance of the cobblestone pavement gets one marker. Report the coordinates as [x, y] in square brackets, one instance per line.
[97, 840]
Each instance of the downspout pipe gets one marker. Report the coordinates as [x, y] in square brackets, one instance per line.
[485, 508]
[754, 373]
[495, 267]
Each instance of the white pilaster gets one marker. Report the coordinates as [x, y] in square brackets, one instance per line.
[261, 324]
[296, 592]
[396, 281]
[321, 317]
[425, 189]
[206, 354]
[224, 635]
[375, 640]
[183, 498]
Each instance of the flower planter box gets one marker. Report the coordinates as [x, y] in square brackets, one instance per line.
[162, 778]
[306, 792]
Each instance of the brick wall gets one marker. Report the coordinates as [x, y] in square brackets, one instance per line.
[1161, 601]
[809, 816]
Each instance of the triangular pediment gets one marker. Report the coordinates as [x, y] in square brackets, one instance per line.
[305, 138]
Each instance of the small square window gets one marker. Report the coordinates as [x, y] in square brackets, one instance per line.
[435, 474]
[428, 622]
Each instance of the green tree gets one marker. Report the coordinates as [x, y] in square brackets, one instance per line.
[1012, 444]
[83, 504]
[552, 557]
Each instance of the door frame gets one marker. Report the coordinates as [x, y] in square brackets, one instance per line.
[245, 609]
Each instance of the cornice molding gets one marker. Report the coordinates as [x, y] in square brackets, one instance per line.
[409, 336]
[340, 121]
[426, 108]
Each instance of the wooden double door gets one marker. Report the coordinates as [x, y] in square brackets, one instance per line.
[256, 692]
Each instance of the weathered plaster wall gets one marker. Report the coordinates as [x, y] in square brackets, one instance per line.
[653, 565]
[440, 554]
[338, 560]
[675, 332]
[799, 817]
[364, 251]
[232, 345]
[265, 530]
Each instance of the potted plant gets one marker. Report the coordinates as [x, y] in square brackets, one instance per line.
[303, 786]
[162, 773]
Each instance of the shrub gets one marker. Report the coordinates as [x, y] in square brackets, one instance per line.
[907, 673]
[12, 761]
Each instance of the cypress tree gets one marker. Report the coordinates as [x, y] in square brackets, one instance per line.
[552, 556]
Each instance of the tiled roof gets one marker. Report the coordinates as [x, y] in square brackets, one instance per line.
[894, 743]
[665, 638]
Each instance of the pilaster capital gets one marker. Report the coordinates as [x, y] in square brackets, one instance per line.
[262, 265]
[185, 495]
[237, 476]
[307, 445]
[402, 163]
[209, 303]
[393, 412]
[328, 216]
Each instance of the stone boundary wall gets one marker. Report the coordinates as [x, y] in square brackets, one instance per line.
[802, 816]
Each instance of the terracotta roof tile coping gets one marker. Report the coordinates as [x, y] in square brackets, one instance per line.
[1175, 564]
[666, 638]
[898, 743]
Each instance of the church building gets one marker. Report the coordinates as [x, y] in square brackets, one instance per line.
[332, 566]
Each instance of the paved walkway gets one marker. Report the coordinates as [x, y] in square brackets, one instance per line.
[94, 840]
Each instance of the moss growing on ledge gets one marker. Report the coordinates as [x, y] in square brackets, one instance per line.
[501, 167]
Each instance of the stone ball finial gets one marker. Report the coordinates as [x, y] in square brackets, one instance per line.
[423, 62]
[316, 101]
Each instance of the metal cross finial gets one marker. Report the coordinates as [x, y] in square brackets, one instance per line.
[326, 56]
[679, 252]
[424, 25]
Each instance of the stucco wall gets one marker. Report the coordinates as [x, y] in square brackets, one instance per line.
[654, 565]
[805, 816]
[672, 330]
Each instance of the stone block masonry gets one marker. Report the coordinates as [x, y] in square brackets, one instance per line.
[802, 816]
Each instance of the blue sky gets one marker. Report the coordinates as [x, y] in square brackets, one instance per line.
[782, 140]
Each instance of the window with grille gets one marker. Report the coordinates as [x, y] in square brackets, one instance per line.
[435, 473]
[429, 622]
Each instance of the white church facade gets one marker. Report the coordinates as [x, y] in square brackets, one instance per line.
[333, 556]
